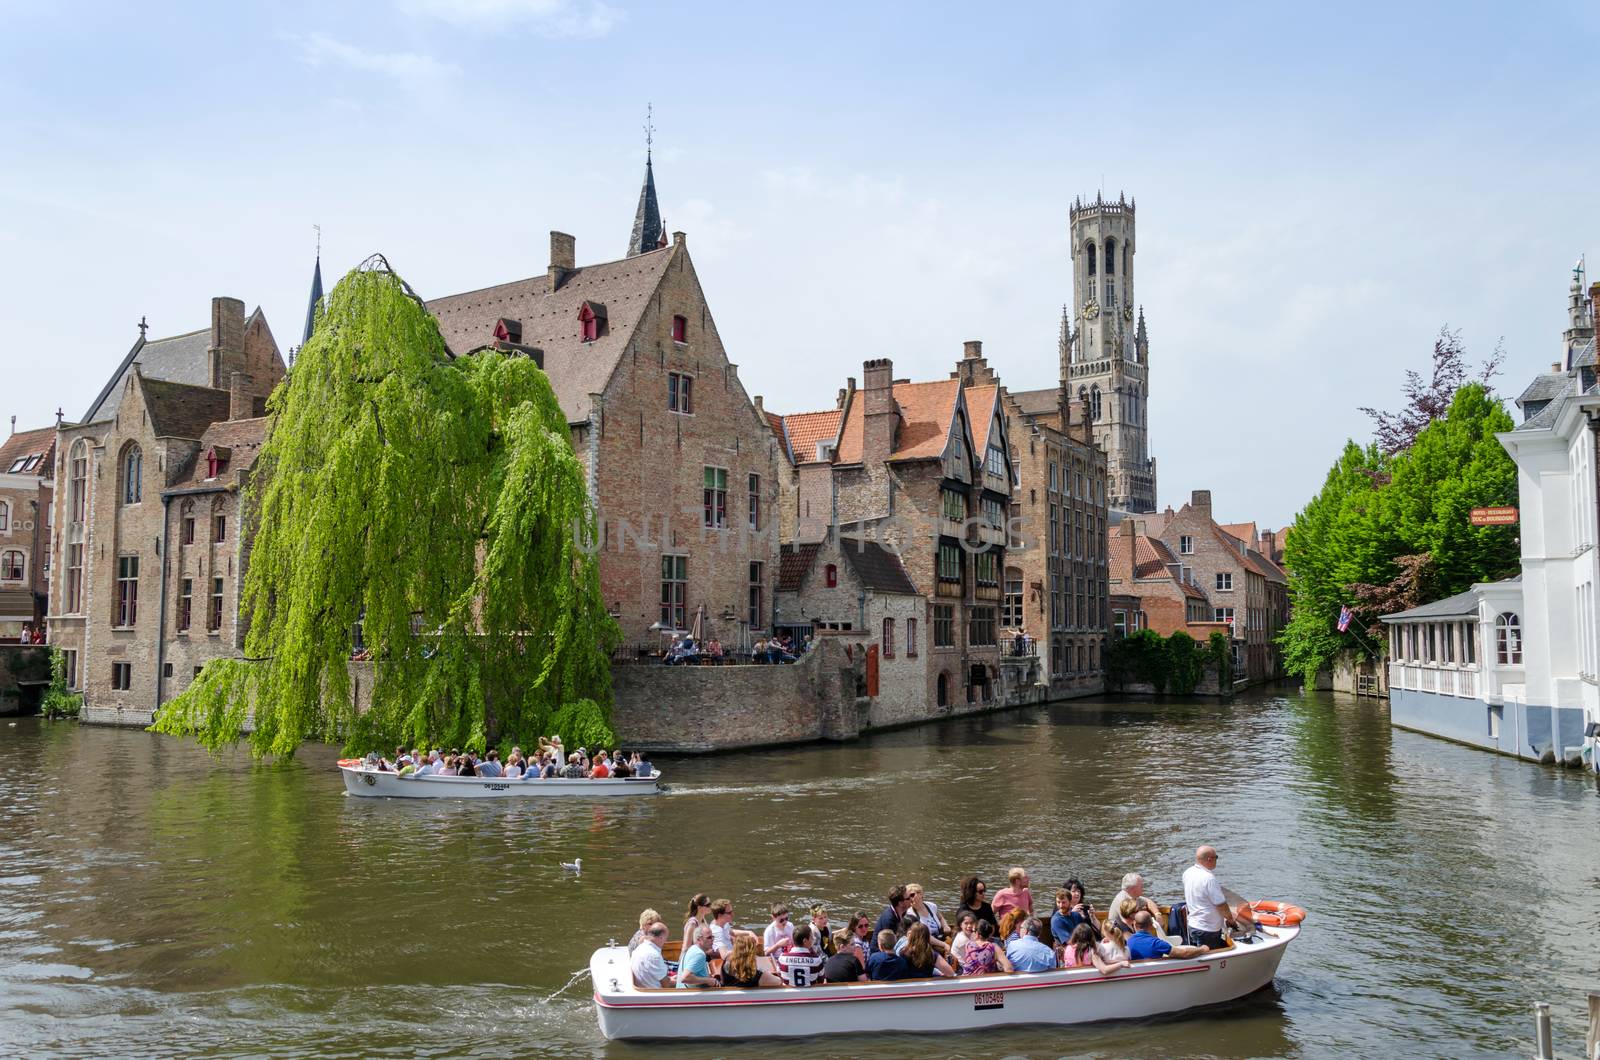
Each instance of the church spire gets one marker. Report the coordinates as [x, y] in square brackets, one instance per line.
[648, 233]
[316, 291]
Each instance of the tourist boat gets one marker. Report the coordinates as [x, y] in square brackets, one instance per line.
[383, 784]
[1001, 999]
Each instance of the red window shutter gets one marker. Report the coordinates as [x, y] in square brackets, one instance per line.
[872, 669]
[680, 329]
[833, 576]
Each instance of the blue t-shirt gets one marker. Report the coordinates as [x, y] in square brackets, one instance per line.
[644, 768]
[1143, 947]
[887, 966]
[887, 920]
[694, 963]
[490, 769]
[1061, 925]
[1028, 954]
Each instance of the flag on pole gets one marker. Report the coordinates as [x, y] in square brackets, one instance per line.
[1345, 616]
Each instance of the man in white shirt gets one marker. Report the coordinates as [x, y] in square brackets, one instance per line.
[1208, 905]
[648, 966]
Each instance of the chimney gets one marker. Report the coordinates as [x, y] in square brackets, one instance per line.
[971, 350]
[1555, 367]
[563, 257]
[241, 400]
[1128, 528]
[1200, 501]
[226, 352]
[878, 410]
[679, 239]
[759, 410]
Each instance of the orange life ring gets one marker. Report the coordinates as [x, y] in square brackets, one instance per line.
[350, 763]
[1274, 914]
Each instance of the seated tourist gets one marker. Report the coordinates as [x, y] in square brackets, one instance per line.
[800, 962]
[514, 767]
[1015, 896]
[981, 954]
[1114, 945]
[967, 926]
[1010, 927]
[1072, 909]
[714, 649]
[642, 766]
[1080, 952]
[649, 967]
[927, 912]
[922, 960]
[779, 932]
[621, 768]
[722, 930]
[1132, 892]
[1145, 944]
[646, 918]
[490, 766]
[1027, 952]
[889, 919]
[758, 650]
[602, 767]
[741, 969]
[849, 961]
[574, 769]
[552, 767]
[905, 926]
[698, 912]
[974, 900]
[694, 966]
[819, 925]
[883, 964]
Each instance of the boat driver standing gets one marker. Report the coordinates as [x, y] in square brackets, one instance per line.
[1208, 905]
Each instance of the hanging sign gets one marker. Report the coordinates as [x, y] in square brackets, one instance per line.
[1494, 516]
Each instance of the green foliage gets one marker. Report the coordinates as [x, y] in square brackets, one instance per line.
[1175, 664]
[1387, 528]
[437, 503]
[1220, 655]
[58, 702]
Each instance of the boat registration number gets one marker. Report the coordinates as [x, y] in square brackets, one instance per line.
[989, 999]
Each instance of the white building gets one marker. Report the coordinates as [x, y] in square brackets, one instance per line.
[1514, 666]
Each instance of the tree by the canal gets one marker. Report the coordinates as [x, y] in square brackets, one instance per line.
[422, 512]
[1388, 532]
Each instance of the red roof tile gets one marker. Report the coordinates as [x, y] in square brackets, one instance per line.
[926, 412]
[803, 430]
[25, 446]
[980, 412]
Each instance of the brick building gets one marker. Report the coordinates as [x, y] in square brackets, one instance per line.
[1246, 589]
[1153, 589]
[27, 470]
[682, 467]
[148, 542]
[1055, 576]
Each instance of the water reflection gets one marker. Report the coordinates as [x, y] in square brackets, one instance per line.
[156, 901]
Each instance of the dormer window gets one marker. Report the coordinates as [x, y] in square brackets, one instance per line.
[591, 319]
[507, 330]
[680, 329]
[217, 460]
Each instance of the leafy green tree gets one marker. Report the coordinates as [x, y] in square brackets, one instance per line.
[436, 504]
[59, 701]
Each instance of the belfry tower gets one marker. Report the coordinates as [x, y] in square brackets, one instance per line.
[1105, 351]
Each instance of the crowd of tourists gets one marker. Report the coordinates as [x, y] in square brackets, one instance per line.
[912, 938]
[549, 761]
[686, 651]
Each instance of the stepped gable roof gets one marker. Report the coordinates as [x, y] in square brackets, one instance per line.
[34, 450]
[793, 563]
[1037, 402]
[550, 321]
[241, 438]
[877, 568]
[802, 431]
[927, 411]
[179, 410]
[980, 413]
[1456, 606]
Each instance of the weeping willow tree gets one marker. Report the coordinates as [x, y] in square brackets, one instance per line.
[428, 513]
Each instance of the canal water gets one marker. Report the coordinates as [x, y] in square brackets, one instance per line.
[155, 901]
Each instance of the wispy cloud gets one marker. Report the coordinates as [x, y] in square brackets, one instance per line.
[319, 49]
[553, 18]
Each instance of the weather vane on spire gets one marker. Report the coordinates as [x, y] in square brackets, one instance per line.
[649, 129]
[319, 240]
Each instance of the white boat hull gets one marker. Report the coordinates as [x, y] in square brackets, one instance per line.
[376, 784]
[1149, 988]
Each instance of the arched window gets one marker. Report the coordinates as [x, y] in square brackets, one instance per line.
[1111, 257]
[186, 523]
[1094, 402]
[78, 490]
[1508, 639]
[132, 475]
[1124, 259]
[12, 567]
[944, 690]
[5, 516]
[1089, 249]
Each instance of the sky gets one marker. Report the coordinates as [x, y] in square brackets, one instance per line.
[1320, 187]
